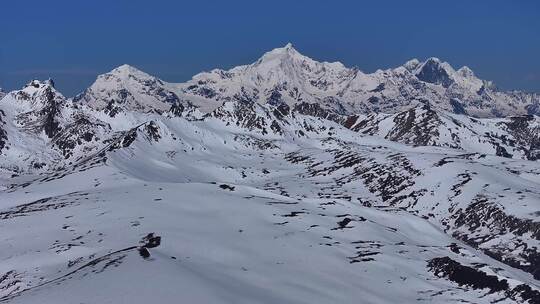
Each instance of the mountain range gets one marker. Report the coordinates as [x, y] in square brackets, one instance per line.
[283, 181]
[283, 75]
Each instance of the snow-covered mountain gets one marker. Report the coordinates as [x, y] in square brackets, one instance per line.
[127, 88]
[42, 129]
[283, 181]
[283, 75]
[512, 137]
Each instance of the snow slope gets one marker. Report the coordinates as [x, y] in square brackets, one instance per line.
[243, 213]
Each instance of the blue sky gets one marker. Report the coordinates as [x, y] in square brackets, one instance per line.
[73, 41]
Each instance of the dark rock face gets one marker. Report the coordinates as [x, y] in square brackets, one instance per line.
[533, 109]
[80, 133]
[168, 97]
[373, 100]
[526, 134]
[465, 276]
[112, 109]
[433, 72]
[50, 112]
[181, 108]
[483, 213]
[246, 115]
[123, 140]
[457, 107]
[501, 151]
[47, 110]
[282, 111]
[418, 131]
[152, 130]
[445, 267]
[200, 90]
[417, 126]
[177, 109]
[481, 91]
[3, 133]
[379, 88]
[275, 98]
[315, 110]
[351, 121]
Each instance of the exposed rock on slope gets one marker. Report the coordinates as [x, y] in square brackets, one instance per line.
[512, 137]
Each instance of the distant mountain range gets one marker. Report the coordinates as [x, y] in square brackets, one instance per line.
[283, 75]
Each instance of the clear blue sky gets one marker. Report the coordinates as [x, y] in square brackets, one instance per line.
[73, 41]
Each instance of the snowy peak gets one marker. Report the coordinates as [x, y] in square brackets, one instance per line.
[37, 95]
[285, 76]
[283, 52]
[412, 65]
[126, 88]
[466, 72]
[280, 76]
[39, 84]
[127, 71]
[464, 85]
[278, 56]
[38, 110]
[287, 65]
[126, 75]
[289, 55]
